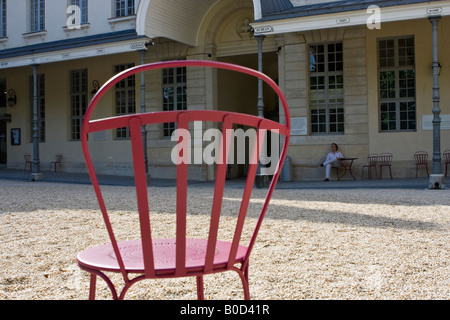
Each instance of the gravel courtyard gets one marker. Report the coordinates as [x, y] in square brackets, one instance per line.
[314, 243]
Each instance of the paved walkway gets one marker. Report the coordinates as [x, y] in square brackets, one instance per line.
[83, 178]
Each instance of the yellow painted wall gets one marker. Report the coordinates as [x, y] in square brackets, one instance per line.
[57, 115]
[403, 145]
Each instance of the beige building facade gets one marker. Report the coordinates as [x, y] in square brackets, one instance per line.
[367, 89]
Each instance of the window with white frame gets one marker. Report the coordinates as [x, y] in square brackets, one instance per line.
[174, 94]
[83, 5]
[125, 102]
[37, 15]
[397, 84]
[78, 101]
[326, 88]
[2, 18]
[40, 107]
[123, 8]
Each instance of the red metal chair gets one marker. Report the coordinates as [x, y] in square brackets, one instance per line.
[446, 160]
[385, 160]
[57, 162]
[372, 160]
[149, 258]
[421, 158]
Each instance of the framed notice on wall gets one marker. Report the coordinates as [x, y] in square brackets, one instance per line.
[299, 126]
[15, 137]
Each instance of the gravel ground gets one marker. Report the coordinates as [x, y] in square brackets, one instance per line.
[314, 244]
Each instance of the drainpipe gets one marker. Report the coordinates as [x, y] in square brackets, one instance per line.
[36, 170]
[436, 178]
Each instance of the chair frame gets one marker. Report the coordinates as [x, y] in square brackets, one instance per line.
[28, 161]
[421, 158]
[446, 156]
[385, 160]
[337, 171]
[57, 162]
[183, 118]
[372, 160]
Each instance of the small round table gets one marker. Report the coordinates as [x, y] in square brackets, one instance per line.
[347, 163]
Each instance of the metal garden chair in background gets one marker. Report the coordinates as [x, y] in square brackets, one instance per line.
[336, 169]
[446, 156]
[28, 161]
[372, 160]
[421, 158]
[57, 161]
[149, 258]
[385, 160]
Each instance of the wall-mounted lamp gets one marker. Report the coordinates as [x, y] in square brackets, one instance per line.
[12, 100]
[96, 86]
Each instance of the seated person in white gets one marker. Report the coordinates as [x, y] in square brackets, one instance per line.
[332, 160]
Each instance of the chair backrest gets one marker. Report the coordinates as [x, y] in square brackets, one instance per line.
[372, 159]
[421, 157]
[183, 119]
[446, 155]
[385, 159]
[27, 157]
[59, 157]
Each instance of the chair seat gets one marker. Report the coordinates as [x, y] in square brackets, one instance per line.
[103, 257]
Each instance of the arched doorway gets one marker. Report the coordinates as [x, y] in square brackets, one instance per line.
[214, 30]
[230, 37]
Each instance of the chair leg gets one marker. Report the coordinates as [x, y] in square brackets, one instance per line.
[246, 285]
[200, 291]
[243, 274]
[94, 274]
[92, 286]
[417, 169]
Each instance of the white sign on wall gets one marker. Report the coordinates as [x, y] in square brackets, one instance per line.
[427, 122]
[299, 126]
[263, 29]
